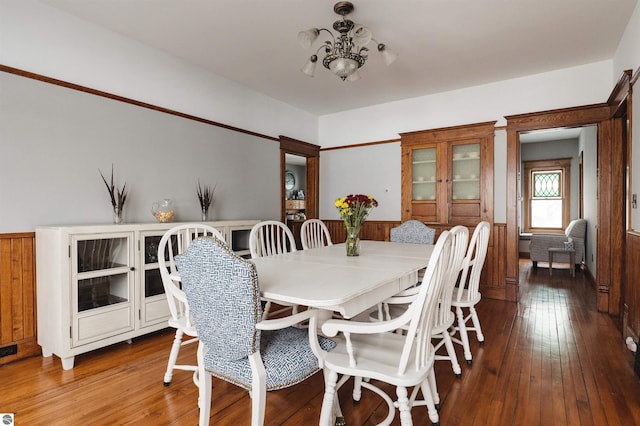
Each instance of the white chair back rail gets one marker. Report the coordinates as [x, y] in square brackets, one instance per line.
[314, 233]
[269, 238]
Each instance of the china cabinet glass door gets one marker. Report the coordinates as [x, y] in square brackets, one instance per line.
[424, 174]
[465, 172]
[153, 303]
[102, 286]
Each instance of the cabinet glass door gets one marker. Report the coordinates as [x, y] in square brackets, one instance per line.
[424, 174]
[465, 172]
[102, 268]
[153, 303]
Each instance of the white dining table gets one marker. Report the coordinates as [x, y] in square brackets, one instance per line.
[326, 278]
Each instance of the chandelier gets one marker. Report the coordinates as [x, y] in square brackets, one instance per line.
[345, 53]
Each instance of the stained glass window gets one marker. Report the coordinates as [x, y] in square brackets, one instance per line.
[547, 184]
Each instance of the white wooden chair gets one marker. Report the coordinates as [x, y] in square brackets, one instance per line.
[236, 344]
[314, 233]
[467, 294]
[369, 351]
[444, 317]
[173, 242]
[269, 238]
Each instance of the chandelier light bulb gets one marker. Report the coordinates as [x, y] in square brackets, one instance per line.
[346, 52]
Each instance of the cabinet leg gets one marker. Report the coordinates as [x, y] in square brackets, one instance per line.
[46, 353]
[67, 363]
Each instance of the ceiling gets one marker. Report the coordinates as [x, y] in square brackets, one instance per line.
[441, 44]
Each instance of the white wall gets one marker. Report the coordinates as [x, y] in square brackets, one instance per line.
[41, 39]
[587, 84]
[588, 144]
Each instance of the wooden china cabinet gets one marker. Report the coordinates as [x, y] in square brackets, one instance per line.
[447, 175]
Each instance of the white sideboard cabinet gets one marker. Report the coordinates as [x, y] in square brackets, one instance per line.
[100, 284]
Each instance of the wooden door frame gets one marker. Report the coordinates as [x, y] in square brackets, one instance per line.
[567, 117]
[612, 163]
[312, 153]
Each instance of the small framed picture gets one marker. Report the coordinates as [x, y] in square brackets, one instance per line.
[568, 245]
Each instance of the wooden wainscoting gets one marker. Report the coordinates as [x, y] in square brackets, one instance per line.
[493, 281]
[17, 296]
[631, 296]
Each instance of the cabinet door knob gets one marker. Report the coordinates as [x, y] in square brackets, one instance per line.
[132, 268]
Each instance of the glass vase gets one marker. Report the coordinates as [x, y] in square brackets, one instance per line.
[117, 215]
[352, 244]
[205, 214]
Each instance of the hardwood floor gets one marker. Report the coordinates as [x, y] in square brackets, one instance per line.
[550, 359]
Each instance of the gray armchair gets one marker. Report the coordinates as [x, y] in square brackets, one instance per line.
[541, 243]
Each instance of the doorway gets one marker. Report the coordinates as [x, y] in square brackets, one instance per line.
[299, 182]
[610, 172]
[578, 145]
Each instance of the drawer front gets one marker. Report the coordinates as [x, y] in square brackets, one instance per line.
[102, 325]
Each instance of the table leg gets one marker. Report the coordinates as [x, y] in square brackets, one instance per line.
[550, 262]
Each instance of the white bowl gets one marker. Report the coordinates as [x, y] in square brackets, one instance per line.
[456, 177]
[418, 197]
[474, 154]
[472, 176]
[420, 178]
[432, 178]
[432, 197]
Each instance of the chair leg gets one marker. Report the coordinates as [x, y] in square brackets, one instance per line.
[451, 351]
[204, 397]
[357, 389]
[428, 396]
[464, 336]
[258, 389]
[173, 357]
[327, 414]
[403, 406]
[476, 324]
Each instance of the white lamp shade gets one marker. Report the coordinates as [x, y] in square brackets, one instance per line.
[388, 56]
[361, 35]
[310, 67]
[306, 38]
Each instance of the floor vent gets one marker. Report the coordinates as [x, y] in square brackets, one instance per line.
[8, 350]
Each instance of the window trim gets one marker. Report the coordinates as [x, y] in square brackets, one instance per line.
[563, 164]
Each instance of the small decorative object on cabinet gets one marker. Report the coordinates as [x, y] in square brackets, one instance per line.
[100, 285]
[163, 210]
[447, 174]
[205, 197]
[118, 197]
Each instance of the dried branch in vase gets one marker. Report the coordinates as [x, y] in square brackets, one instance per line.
[205, 195]
[118, 196]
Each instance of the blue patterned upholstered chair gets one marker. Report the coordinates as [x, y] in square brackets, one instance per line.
[235, 344]
[414, 232]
